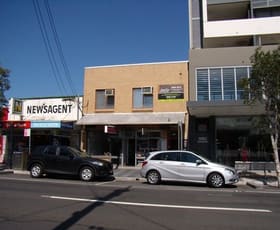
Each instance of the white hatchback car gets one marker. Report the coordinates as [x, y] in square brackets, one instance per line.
[179, 165]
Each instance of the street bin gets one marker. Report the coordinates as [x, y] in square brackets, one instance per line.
[19, 160]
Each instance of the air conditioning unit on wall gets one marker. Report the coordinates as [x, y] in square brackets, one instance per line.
[147, 90]
[109, 92]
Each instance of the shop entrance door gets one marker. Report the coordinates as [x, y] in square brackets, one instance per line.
[131, 152]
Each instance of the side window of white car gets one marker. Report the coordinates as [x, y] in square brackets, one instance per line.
[172, 156]
[166, 156]
[188, 157]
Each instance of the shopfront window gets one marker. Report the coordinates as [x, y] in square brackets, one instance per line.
[237, 139]
[148, 140]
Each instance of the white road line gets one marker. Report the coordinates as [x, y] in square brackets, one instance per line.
[157, 205]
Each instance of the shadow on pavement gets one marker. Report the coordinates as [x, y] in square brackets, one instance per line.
[182, 184]
[77, 216]
[71, 177]
[264, 178]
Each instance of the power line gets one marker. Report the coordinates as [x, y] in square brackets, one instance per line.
[50, 50]
[48, 47]
[59, 47]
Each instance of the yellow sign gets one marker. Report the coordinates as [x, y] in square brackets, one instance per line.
[17, 106]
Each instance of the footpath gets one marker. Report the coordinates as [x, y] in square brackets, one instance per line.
[257, 179]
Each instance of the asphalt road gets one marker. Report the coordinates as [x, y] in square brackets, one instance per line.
[51, 203]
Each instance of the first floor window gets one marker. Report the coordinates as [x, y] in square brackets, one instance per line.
[142, 97]
[220, 83]
[105, 99]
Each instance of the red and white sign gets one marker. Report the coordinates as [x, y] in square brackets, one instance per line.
[3, 139]
[110, 129]
[16, 124]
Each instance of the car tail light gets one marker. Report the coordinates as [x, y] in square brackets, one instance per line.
[144, 163]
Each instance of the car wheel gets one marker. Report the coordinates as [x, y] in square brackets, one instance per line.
[86, 174]
[36, 170]
[216, 180]
[153, 177]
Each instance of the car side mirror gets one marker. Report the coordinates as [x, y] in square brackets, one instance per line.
[199, 162]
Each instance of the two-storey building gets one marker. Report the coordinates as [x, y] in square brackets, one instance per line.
[134, 109]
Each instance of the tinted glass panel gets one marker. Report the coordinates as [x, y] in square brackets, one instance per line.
[229, 85]
[188, 157]
[172, 156]
[241, 73]
[148, 101]
[51, 150]
[215, 84]
[65, 152]
[110, 101]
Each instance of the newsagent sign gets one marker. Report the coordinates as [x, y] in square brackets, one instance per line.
[64, 109]
[171, 92]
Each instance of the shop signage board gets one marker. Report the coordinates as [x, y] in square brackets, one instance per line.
[16, 124]
[45, 124]
[171, 92]
[57, 109]
[51, 125]
[110, 129]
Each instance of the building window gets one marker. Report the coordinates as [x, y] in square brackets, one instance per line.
[143, 97]
[215, 84]
[105, 99]
[221, 83]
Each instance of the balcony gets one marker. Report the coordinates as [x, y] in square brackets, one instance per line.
[230, 24]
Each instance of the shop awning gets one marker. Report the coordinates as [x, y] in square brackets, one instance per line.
[132, 118]
[223, 108]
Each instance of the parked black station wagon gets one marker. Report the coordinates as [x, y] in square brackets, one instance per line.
[52, 159]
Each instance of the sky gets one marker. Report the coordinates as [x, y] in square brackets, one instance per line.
[85, 33]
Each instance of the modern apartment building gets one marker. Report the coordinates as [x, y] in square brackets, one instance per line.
[223, 36]
[134, 109]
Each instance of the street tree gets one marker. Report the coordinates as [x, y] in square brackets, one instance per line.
[4, 86]
[263, 87]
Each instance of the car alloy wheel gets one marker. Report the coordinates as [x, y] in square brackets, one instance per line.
[153, 177]
[86, 174]
[216, 180]
[36, 171]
